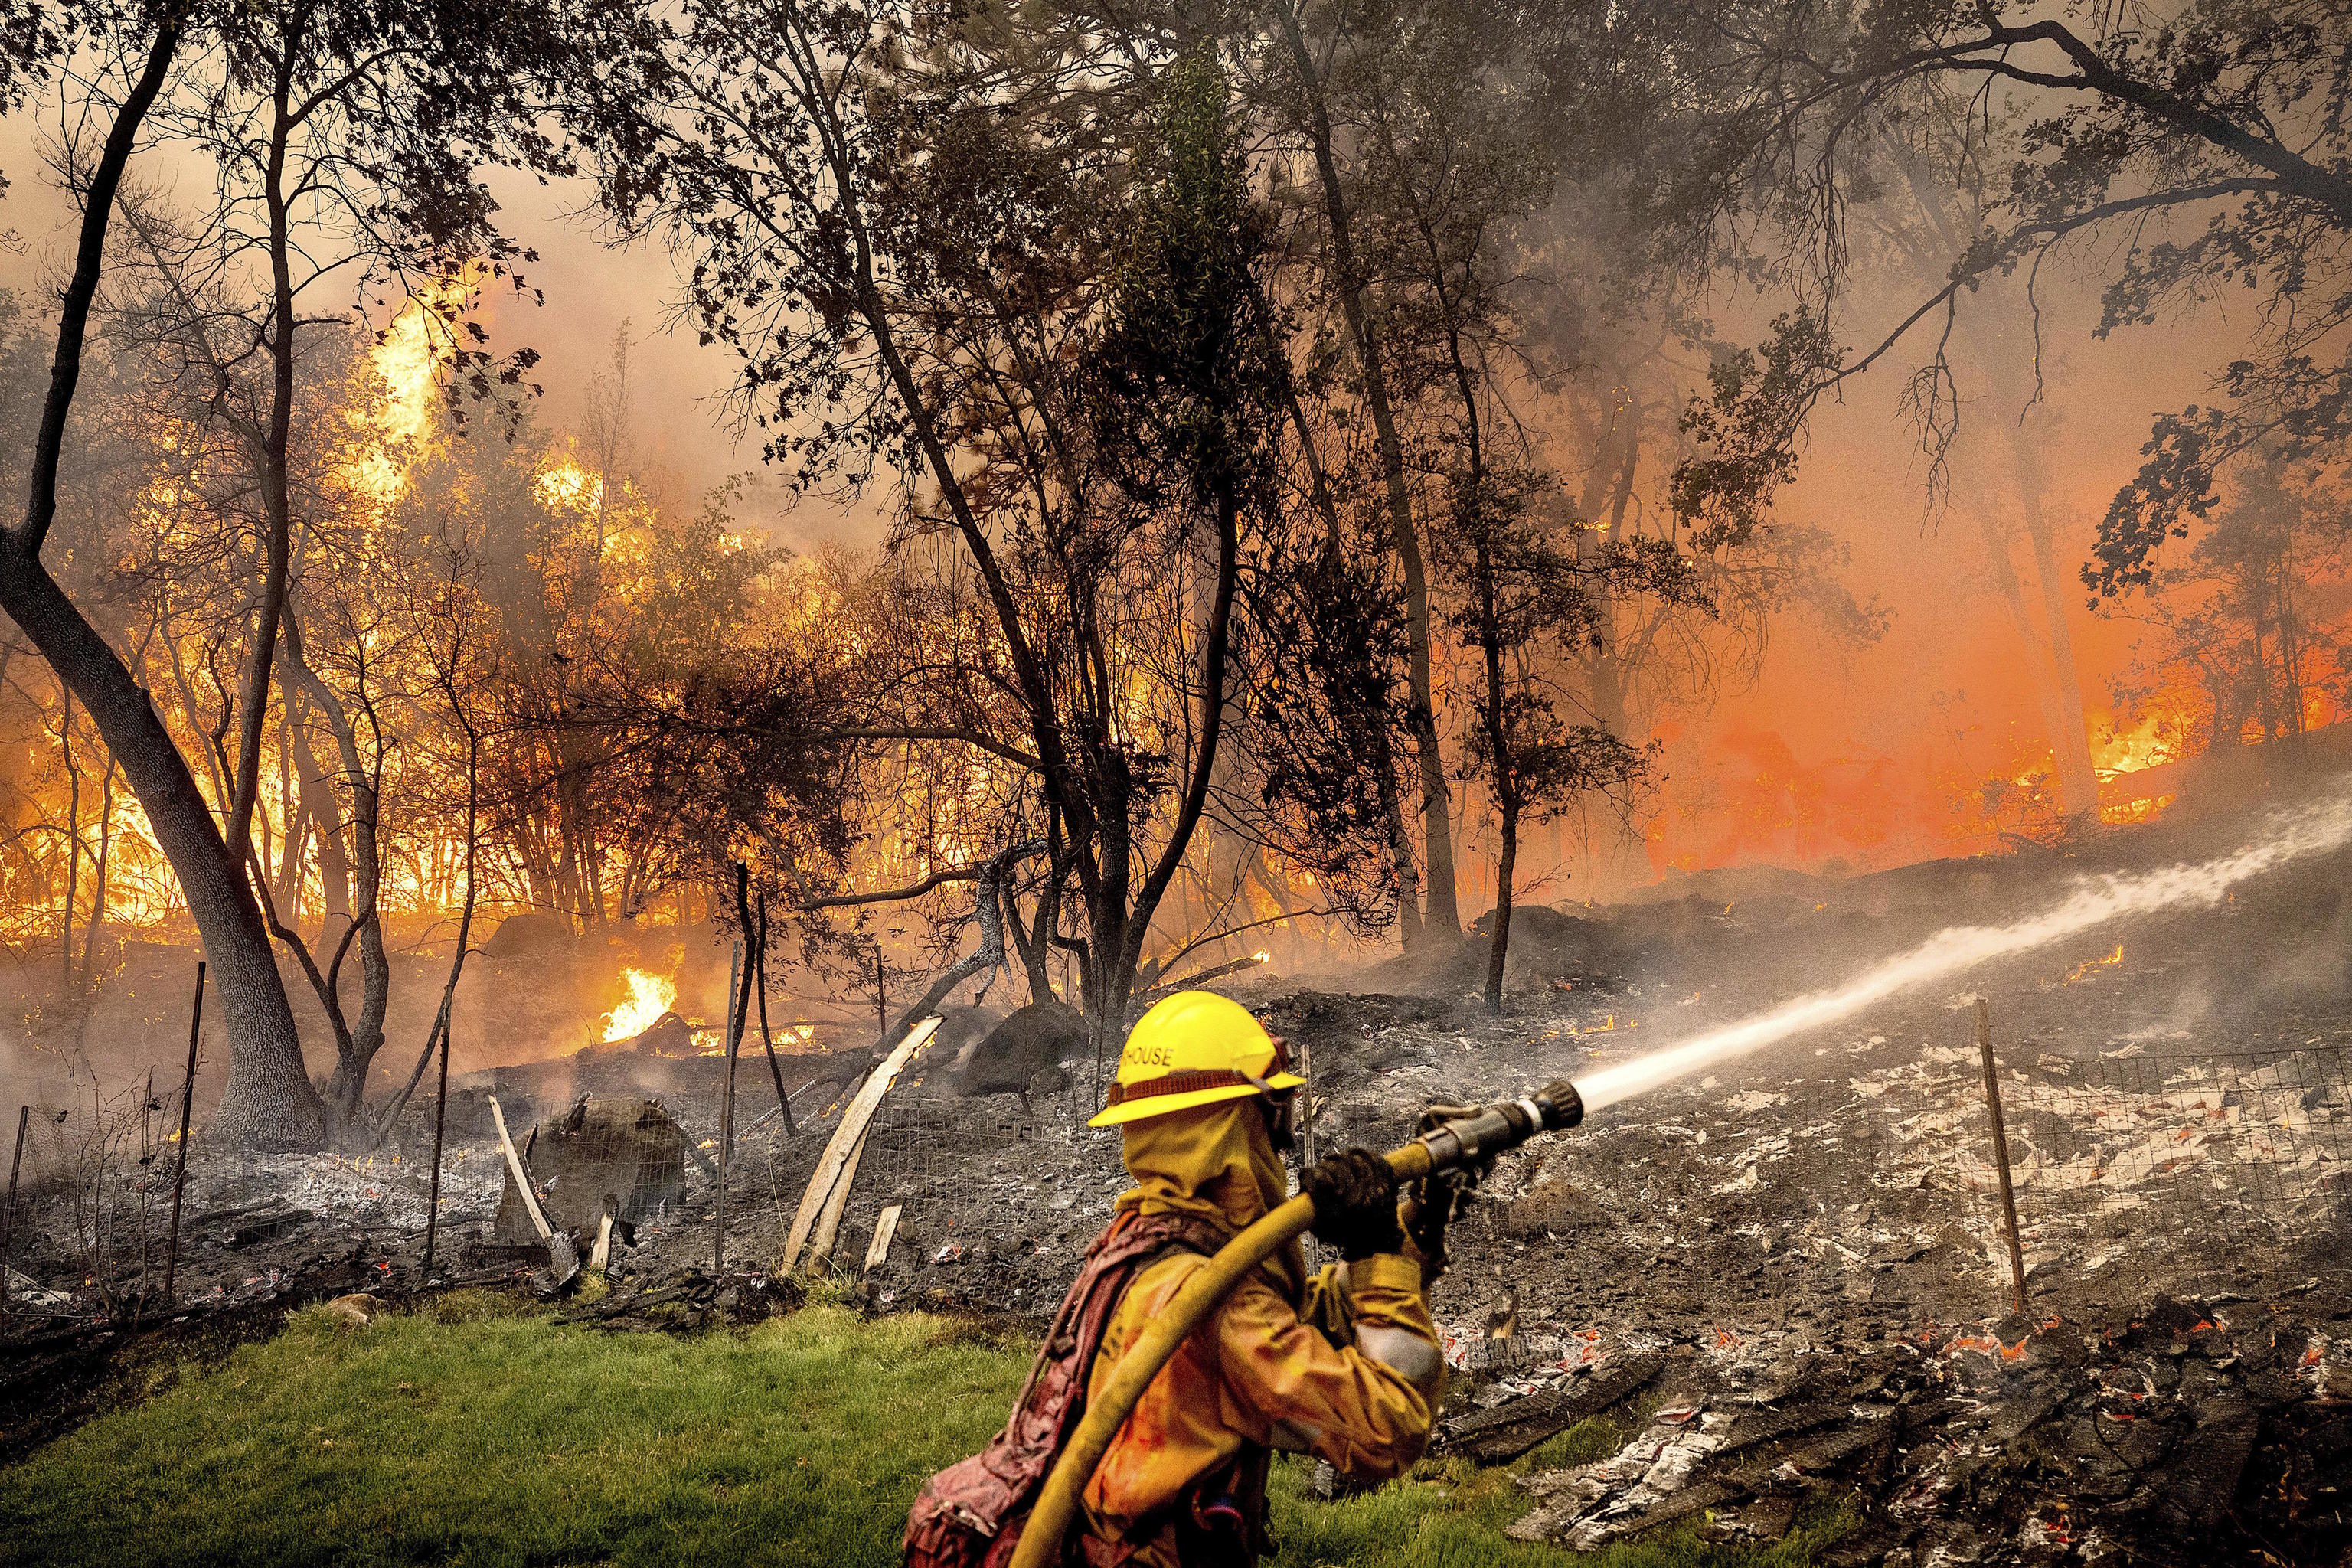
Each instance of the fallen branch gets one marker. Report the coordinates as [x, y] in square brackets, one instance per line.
[990, 954]
[1144, 1000]
[838, 1167]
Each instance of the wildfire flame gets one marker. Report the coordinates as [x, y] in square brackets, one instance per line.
[2088, 964]
[2118, 753]
[564, 485]
[650, 996]
[407, 362]
[2152, 742]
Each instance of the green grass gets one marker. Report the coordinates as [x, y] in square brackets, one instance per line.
[477, 1433]
[1449, 1513]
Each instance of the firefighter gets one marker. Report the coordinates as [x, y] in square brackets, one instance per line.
[1344, 1365]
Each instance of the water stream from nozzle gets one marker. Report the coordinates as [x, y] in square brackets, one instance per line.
[2290, 834]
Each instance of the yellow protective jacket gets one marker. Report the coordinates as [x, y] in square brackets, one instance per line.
[1258, 1375]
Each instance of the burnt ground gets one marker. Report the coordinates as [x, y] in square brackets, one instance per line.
[1786, 1280]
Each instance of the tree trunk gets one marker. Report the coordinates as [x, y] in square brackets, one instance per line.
[1498, 946]
[1139, 912]
[358, 1041]
[2262, 704]
[2291, 646]
[1406, 870]
[2078, 780]
[277, 503]
[1506, 783]
[1441, 914]
[270, 1104]
[96, 925]
[439, 1033]
[988, 907]
[73, 850]
[317, 796]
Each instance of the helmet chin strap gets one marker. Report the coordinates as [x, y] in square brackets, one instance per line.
[1276, 1112]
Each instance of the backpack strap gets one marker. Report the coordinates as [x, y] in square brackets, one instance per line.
[971, 1512]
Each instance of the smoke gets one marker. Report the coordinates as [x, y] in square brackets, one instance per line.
[2287, 835]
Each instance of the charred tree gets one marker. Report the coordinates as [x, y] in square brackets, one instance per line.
[269, 1103]
[1439, 916]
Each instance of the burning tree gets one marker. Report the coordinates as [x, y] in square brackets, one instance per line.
[346, 145]
[2247, 616]
[1069, 355]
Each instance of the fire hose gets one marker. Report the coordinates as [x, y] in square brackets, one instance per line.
[1470, 1140]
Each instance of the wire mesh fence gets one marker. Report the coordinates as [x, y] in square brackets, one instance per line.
[917, 1140]
[2217, 1150]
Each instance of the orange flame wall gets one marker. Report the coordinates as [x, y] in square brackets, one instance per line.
[1934, 740]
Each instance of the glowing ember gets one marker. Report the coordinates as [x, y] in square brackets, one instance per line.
[650, 996]
[2087, 965]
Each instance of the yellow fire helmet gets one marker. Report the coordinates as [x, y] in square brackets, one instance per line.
[1194, 1049]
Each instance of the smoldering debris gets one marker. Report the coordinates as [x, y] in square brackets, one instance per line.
[1023, 1052]
[628, 1149]
[2184, 1432]
[1523, 1417]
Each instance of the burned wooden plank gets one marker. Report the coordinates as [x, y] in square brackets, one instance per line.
[1497, 1436]
[1818, 1454]
[2199, 1486]
[1757, 1427]
[1690, 1500]
[1758, 1475]
[878, 1251]
[840, 1153]
[828, 1220]
[599, 1260]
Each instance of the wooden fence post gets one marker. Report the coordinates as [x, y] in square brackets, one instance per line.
[2001, 1156]
[180, 1172]
[8, 1218]
[727, 1110]
[440, 1121]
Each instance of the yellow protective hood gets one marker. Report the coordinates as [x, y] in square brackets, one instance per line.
[1214, 1162]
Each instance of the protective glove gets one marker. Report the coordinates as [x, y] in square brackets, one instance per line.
[1430, 1206]
[1355, 1203]
[1432, 1202]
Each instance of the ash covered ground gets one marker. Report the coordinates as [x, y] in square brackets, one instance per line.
[1786, 1280]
